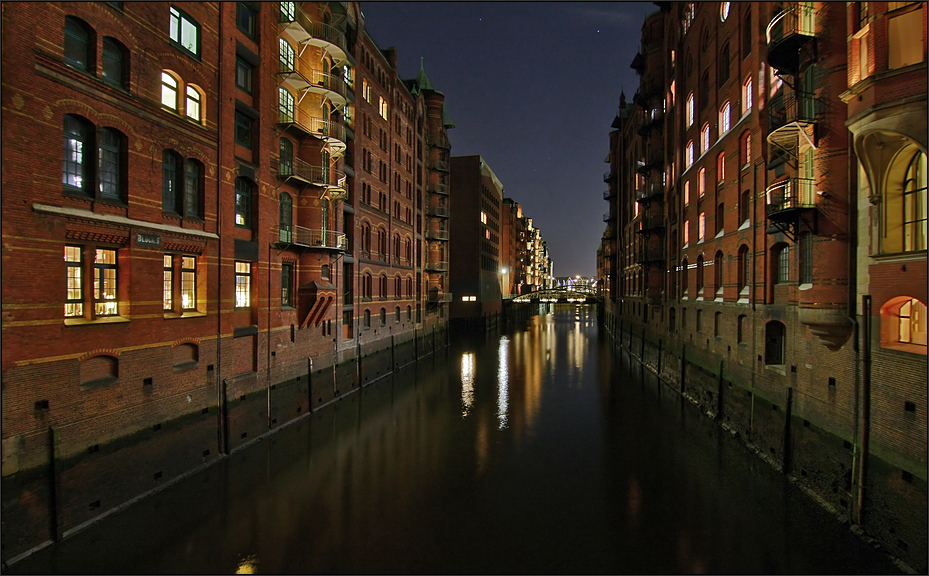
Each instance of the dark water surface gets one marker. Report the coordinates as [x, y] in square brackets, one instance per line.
[536, 451]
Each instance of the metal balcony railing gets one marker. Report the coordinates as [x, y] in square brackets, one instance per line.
[607, 194]
[438, 266]
[439, 211]
[651, 190]
[305, 31]
[651, 224]
[314, 238]
[332, 180]
[437, 234]
[439, 297]
[333, 132]
[787, 32]
[439, 189]
[793, 107]
[607, 176]
[303, 79]
[651, 254]
[788, 196]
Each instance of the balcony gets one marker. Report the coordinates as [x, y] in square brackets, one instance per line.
[652, 224]
[792, 117]
[789, 31]
[607, 176]
[607, 217]
[441, 142]
[332, 133]
[651, 191]
[332, 181]
[789, 201]
[307, 237]
[654, 161]
[440, 165]
[650, 255]
[437, 234]
[439, 189]
[303, 79]
[653, 119]
[607, 194]
[438, 297]
[298, 25]
[438, 211]
[440, 266]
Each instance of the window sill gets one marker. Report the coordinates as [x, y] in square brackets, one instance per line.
[102, 382]
[905, 348]
[745, 225]
[720, 234]
[805, 286]
[288, 308]
[184, 366]
[186, 314]
[99, 320]
[777, 368]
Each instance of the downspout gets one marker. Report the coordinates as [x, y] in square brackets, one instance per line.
[220, 381]
[754, 291]
[865, 405]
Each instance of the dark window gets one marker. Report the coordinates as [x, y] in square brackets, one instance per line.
[115, 63]
[782, 272]
[243, 130]
[745, 207]
[243, 203]
[184, 31]
[170, 181]
[743, 267]
[110, 164]
[723, 65]
[747, 33]
[774, 343]
[78, 42]
[76, 169]
[704, 89]
[685, 286]
[720, 217]
[286, 165]
[192, 189]
[699, 274]
[743, 322]
[718, 272]
[245, 19]
[806, 258]
[243, 75]
[287, 273]
[383, 316]
[286, 218]
[717, 318]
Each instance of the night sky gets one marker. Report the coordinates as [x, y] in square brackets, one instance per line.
[533, 88]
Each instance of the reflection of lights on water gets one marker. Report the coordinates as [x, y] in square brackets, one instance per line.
[503, 391]
[248, 565]
[467, 382]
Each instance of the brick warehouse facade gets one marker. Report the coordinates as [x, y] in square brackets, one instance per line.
[765, 248]
[237, 238]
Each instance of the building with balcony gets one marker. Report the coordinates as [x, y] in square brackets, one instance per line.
[766, 227]
[240, 232]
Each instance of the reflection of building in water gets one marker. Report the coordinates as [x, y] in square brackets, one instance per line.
[467, 382]
[503, 391]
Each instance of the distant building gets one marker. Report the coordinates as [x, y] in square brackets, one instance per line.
[773, 236]
[475, 241]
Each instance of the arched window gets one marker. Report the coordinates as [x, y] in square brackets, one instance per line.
[78, 139]
[774, 343]
[704, 89]
[724, 118]
[243, 203]
[718, 273]
[903, 324]
[367, 314]
[79, 40]
[111, 158]
[747, 96]
[690, 110]
[186, 356]
[115, 63]
[686, 193]
[704, 138]
[699, 275]
[285, 102]
[721, 168]
[99, 371]
[685, 275]
[914, 204]
[701, 181]
[743, 270]
[782, 264]
[398, 290]
[170, 181]
[689, 158]
[382, 286]
[169, 90]
[287, 56]
[286, 217]
[409, 287]
[397, 315]
[723, 75]
[383, 316]
[193, 105]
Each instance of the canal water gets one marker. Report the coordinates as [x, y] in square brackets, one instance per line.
[535, 451]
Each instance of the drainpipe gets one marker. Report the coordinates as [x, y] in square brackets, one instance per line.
[220, 381]
[754, 290]
[865, 405]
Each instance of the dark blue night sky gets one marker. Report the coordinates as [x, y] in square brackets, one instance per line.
[532, 87]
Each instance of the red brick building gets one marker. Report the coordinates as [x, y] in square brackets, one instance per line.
[751, 226]
[243, 187]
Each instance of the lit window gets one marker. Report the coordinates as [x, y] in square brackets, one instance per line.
[287, 56]
[671, 91]
[686, 233]
[914, 204]
[705, 138]
[905, 39]
[690, 110]
[701, 227]
[287, 273]
[701, 181]
[690, 153]
[188, 283]
[243, 279]
[382, 107]
[193, 103]
[483, 217]
[168, 91]
[105, 282]
[184, 31]
[366, 89]
[747, 95]
[74, 300]
[721, 168]
[724, 118]
[77, 133]
[285, 105]
[686, 193]
[723, 11]
[168, 285]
